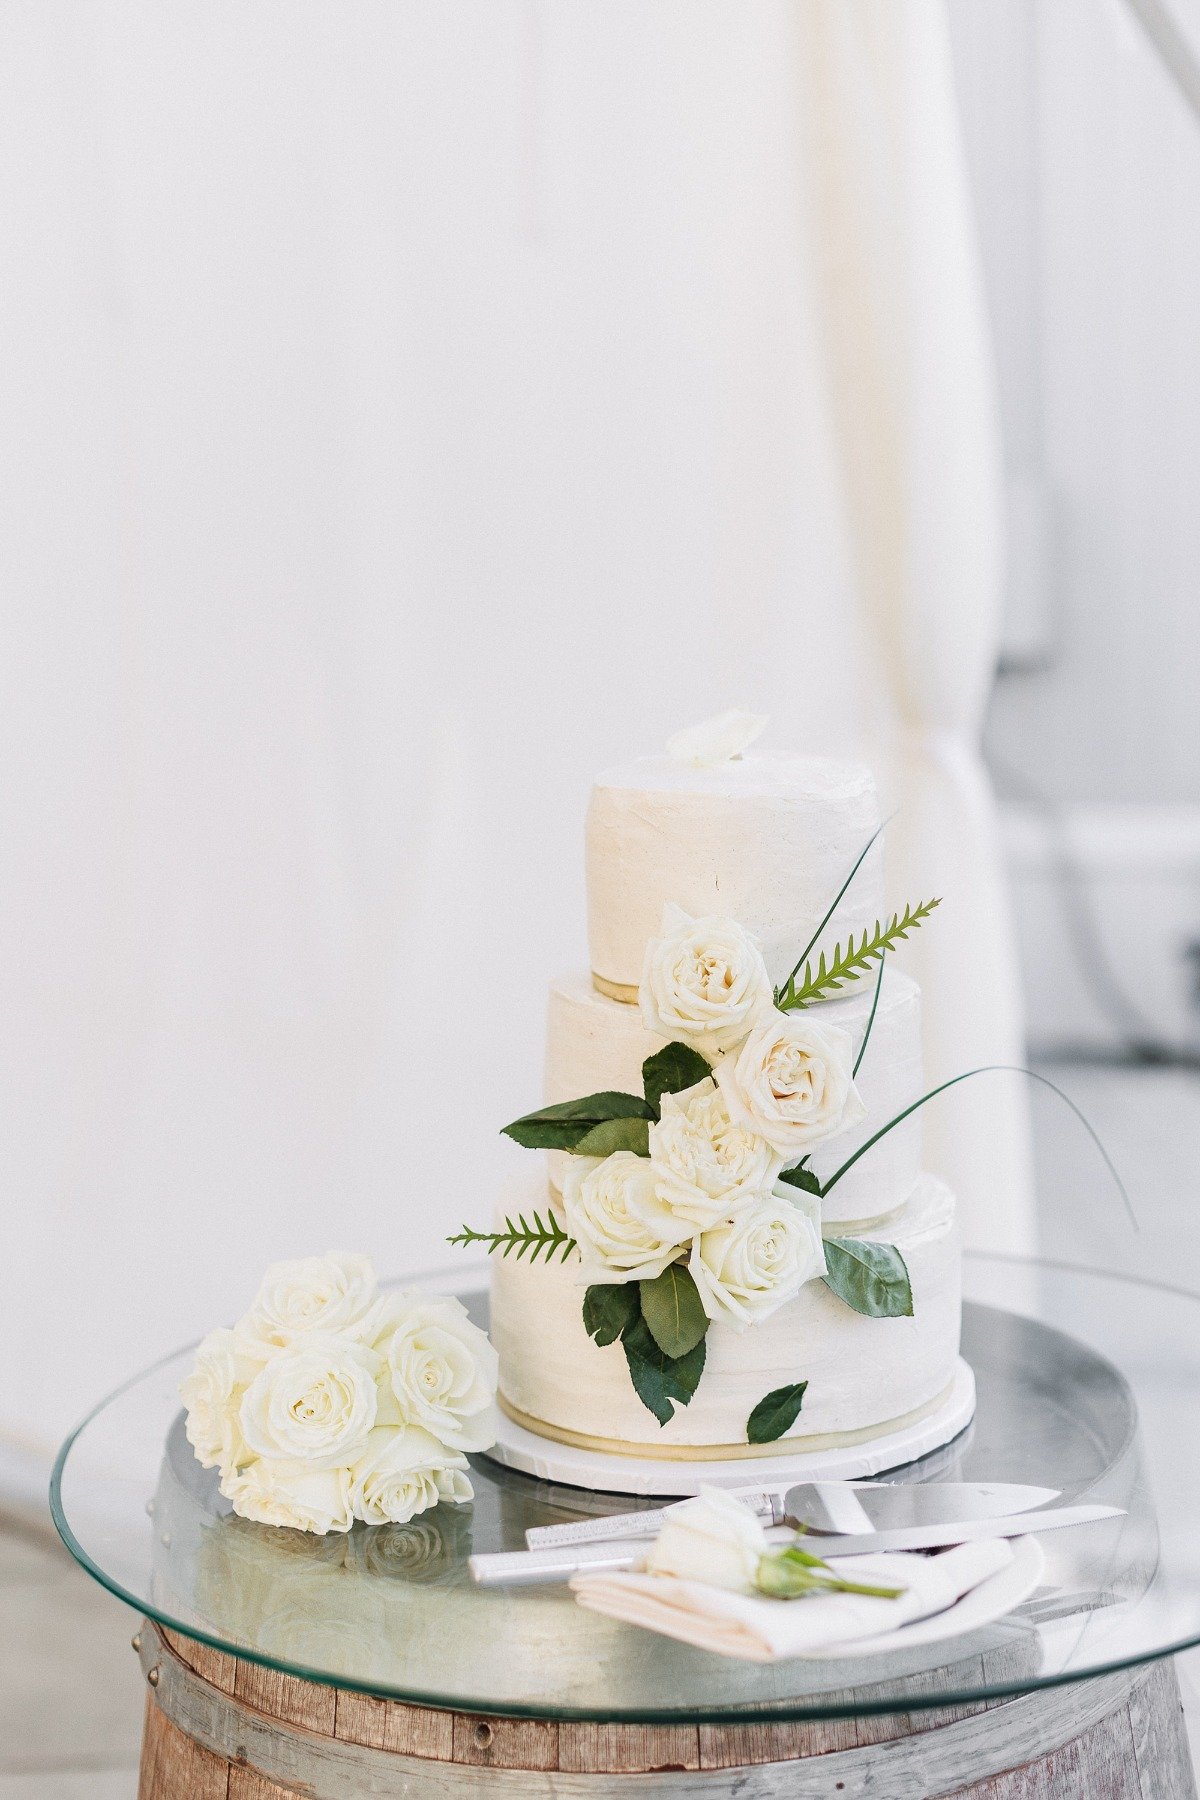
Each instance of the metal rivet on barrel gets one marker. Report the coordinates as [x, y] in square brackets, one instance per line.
[136, 1641]
[152, 1676]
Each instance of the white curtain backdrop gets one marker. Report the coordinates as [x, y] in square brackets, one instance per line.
[410, 407]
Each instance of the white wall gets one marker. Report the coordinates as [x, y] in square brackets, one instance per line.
[1096, 300]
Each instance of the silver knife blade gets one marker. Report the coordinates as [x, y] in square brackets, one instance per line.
[558, 1562]
[966, 1531]
[825, 1505]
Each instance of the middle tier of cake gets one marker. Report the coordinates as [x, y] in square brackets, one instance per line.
[594, 1044]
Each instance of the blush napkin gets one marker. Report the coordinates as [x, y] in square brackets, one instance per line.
[759, 1629]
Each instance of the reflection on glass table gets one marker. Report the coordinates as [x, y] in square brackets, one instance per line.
[1087, 1382]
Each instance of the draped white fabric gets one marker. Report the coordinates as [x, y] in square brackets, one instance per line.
[411, 407]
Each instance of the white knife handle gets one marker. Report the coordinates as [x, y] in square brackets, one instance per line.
[597, 1531]
[506, 1568]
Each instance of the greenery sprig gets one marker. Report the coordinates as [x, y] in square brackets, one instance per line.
[791, 1574]
[848, 964]
[545, 1237]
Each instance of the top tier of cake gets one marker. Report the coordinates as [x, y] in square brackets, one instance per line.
[766, 841]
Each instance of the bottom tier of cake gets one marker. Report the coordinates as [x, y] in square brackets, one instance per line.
[865, 1376]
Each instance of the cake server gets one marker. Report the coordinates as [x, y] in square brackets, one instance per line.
[520, 1567]
[846, 1507]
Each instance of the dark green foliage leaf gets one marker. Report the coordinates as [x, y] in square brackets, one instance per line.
[801, 1178]
[542, 1237]
[660, 1381]
[848, 964]
[872, 1278]
[560, 1127]
[670, 1071]
[673, 1311]
[614, 1134]
[775, 1413]
[610, 1309]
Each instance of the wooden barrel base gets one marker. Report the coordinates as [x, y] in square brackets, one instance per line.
[219, 1728]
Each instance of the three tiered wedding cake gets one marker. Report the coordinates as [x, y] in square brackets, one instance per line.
[718, 1261]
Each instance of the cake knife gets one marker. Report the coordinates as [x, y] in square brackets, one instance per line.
[842, 1506]
[520, 1567]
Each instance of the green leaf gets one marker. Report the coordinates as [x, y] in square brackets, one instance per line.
[775, 1413]
[660, 1380]
[560, 1127]
[614, 1134]
[872, 1278]
[670, 1071]
[610, 1309]
[543, 1237]
[672, 1309]
[848, 964]
[801, 1178]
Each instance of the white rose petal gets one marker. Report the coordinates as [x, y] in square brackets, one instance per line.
[334, 1293]
[405, 1472]
[713, 1538]
[624, 1229]
[749, 1268]
[708, 1167]
[442, 1370]
[225, 1366]
[717, 740]
[704, 982]
[792, 1082]
[314, 1402]
[291, 1493]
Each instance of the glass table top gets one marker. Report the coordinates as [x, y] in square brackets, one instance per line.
[1088, 1382]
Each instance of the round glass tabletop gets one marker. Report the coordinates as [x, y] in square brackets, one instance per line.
[1087, 1382]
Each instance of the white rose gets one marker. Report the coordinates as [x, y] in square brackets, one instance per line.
[314, 1402]
[704, 982]
[333, 1293]
[713, 1538]
[624, 1229]
[405, 1472]
[291, 1493]
[748, 1269]
[442, 1371]
[792, 1082]
[225, 1366]
[717, 740]
[708, 1167]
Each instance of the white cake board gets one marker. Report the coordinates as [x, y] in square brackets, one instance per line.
[518, 1448]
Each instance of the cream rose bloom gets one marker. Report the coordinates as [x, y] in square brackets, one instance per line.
[314, 1402]
[441, 1371]
[713, 1538]
[746, 1270]
[289, 1493]
[792, 1082]
[402, 1473]
[704, 982]
[708, 1168]
[225, 1366]
[333, 1293]
[624, 1229]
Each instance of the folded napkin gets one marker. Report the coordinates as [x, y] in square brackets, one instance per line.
[761, 1629]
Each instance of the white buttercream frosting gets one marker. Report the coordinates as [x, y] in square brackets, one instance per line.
[594, 1044]
[765, 841]
[861, 1372]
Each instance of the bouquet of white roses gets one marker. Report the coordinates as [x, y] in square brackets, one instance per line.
[329, 1401]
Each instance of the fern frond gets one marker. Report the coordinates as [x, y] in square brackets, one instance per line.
[541, 1237]
[848, 964]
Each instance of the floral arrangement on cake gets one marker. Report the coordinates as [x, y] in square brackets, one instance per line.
[692, 1205]
[330, 1401]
